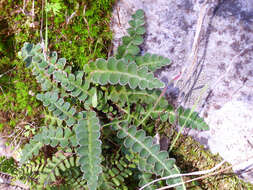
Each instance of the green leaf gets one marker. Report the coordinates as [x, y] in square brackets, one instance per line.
[133, 50]
[152, 159]
[120, 72]
[145, 178]
[184, 117]
[140, 30]
[59, 108]
[30, 150]
[135, 95]
[94, 100]
[34, 58]
[129, 49]
[54, 168]
[55, 136]
[139, 14]
[138, 40]
[88, 133]
[152, 61]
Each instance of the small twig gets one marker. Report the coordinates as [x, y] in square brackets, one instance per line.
[24, 4]
[199, 28]
[207, 172]
[110, 50]
[86, 22]
[70, 17]
[7, 72]
[33, 16]
[186, 174]
[23, 9]
[41, 30]
[117, 8]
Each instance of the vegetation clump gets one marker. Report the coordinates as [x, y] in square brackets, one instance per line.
[111, 100]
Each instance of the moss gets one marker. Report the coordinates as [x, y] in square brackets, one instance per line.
[85, 37]
[191, 156]
[8, 165]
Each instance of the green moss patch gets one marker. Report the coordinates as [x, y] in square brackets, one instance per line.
[77, 30]
[191, 156]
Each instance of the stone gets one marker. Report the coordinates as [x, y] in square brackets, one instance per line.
[210, 44]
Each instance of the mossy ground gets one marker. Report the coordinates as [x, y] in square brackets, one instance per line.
[81, 38]
[191, 156]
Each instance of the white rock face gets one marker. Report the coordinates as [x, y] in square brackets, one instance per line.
[231, 135]
[210, 44]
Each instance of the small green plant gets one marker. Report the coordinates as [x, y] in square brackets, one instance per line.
[8, 165]
[94, 111]
[29, 131]
[55, 6]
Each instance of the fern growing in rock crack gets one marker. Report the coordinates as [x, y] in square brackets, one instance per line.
[109, 94]
[151, 158]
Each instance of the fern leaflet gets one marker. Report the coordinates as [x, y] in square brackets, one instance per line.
[120, 72]
[59, 107]
[88, 133]
[130, 48]
[56, 136]
[30, 150]
[153, 62]
[152, 159]
[183, 116]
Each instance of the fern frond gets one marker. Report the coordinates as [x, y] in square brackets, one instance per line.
[120, 72]
[183, 116]
[121, 94]
[130, 48]
[103, 105]
[40, 174]
[117, 168]
[152, 61]
[88, 133]
[58, 107]
[55, 167]
[144, 179]
[8, 182]
[51, 120]
[152, 159]
[31, 149]
[145, 166]
[29, 171]
[138, 142]
[43, 69]
[105, 184]
[55, 136]
[74, 84]
[34, 58]
[73, 178]
[190, 119]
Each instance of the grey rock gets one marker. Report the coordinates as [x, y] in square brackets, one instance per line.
[211, 44]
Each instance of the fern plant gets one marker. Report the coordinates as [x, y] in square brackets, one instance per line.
[111, 95]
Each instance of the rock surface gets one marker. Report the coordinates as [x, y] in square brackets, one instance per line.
[211, 44]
